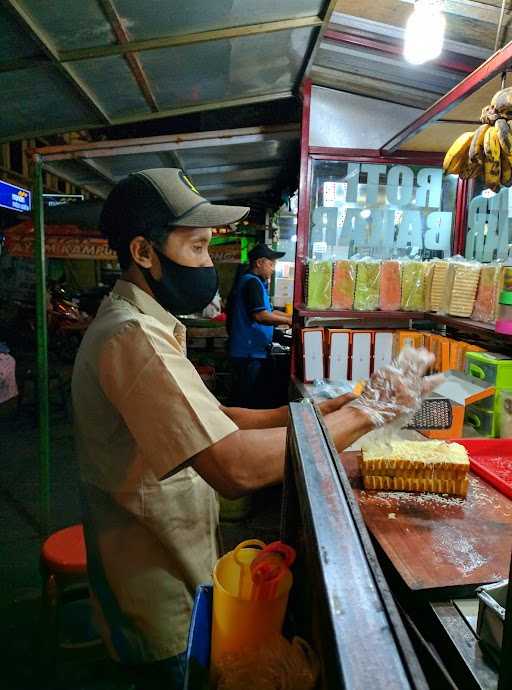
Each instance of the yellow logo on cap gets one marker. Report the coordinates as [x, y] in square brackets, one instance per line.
[188, 183]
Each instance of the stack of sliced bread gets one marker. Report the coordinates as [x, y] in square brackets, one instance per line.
[435, 466]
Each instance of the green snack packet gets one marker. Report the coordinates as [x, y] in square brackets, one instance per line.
[412, 286]
[319, 284]
[366, 297]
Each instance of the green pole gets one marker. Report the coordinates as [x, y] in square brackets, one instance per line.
[42, 351]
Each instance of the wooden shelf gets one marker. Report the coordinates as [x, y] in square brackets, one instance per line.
[375, 315]
[486, 329]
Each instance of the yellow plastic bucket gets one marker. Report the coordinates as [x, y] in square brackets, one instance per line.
[238, 622]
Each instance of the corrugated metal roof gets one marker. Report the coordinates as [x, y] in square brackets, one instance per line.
[242, 164]
[361, 51]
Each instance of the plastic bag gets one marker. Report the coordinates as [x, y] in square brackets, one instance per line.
[395, 392]
[486, 296]
[412, 286]
[367, 292]
[460, 287]
[279, 665]
[390, 286]
[344, 283]
[319, 284]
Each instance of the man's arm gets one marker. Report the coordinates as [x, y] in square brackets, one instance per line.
[270, 419]
[272, 318]
[252, 459]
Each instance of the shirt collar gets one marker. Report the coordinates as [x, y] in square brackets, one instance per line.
[146, 304]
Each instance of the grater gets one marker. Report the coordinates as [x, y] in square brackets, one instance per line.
[435, 413]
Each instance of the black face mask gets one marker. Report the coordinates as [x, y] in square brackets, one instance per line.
[182, 289]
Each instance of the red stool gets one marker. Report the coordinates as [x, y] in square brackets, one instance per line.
[64, 575]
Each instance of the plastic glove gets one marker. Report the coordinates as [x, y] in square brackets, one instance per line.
[396, 391]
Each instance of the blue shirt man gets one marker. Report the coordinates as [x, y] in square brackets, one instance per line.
[251, 321]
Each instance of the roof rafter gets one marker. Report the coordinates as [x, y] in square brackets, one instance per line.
[189, 39]
[134, 63]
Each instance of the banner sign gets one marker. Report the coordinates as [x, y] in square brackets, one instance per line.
[66, 247]
[15, 198]
[489, 236]
[226, 253]
[382, 209]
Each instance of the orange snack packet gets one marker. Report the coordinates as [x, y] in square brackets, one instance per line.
[390, 290]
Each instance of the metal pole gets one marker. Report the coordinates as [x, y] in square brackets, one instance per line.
[42, 351]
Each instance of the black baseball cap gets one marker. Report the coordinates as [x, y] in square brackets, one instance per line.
[160, 198]
[263, 251]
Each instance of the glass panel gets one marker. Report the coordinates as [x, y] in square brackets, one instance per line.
[226, 69]
[69, 24]
[113, 85]
[381, 211]
[38, 90]
[14, 43]
[489, 233]
[152, 19]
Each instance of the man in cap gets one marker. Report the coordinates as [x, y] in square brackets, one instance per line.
[153, 443]
[251, 322]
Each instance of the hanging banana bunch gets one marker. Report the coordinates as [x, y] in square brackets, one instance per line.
[488, 151]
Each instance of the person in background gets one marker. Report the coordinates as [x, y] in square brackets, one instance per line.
[251, 322]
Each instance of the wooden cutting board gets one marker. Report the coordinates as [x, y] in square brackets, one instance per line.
[437, 541]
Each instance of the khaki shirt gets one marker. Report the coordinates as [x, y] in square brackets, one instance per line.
[141, 411]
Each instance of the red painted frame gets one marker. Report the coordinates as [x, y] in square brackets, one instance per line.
[345, 38]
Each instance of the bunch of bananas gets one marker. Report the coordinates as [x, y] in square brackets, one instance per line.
[488, 151]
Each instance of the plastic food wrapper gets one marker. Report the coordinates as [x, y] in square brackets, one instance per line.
[428, 274]
[366, 297]
[394, 393]
[344, 283]
[460, 287]
[437, 286]
[319, 284]
[390, 287]
[486, 296]
[278, 665]
[505, 274]
[412, 286]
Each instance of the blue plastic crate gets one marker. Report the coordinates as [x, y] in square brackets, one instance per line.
[199, 640]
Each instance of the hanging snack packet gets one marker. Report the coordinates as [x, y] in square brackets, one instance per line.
[390, 288]
[461, 286]
[366, 297]
[439, 275]
[428, 275]
[344, 283]
[485, 303]
[319, 284]
[412, 286]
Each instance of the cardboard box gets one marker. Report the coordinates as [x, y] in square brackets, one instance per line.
[383, 342]
[313, 354]
[338, 353]
[361, 355]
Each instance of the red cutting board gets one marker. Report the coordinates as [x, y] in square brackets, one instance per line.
[491, 458]
[437, 542]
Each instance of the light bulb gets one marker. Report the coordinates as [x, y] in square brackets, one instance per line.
[424, 32]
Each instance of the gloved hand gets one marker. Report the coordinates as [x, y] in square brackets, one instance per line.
[396, 391]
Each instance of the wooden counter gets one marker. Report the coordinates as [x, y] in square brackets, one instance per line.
[437, 542]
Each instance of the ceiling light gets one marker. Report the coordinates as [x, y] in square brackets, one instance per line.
[365, 213]
[424, 32]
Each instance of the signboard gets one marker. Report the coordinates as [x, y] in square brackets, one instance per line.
[489, 229]
[65, 247]
[226, 253]
[382, 209]
[15, 198]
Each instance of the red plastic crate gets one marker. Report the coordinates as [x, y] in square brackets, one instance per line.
[491, 459]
